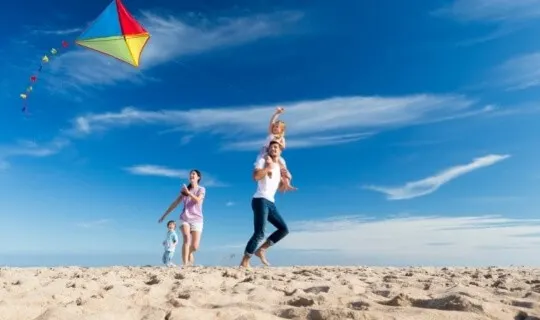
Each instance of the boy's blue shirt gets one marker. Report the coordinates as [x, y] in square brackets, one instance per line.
[172, 238]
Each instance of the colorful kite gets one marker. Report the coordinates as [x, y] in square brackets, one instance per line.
[114, 33]
[117, 34]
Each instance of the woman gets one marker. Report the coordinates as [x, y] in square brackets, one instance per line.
[191, 219]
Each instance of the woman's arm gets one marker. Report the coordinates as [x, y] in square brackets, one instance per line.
[173, 206]
[199, 197]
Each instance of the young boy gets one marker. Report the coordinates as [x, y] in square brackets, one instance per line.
[170, 243]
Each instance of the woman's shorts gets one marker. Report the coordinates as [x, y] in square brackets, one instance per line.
[193, 226]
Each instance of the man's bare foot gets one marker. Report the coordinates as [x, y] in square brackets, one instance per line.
[245, 262]
[261, 253]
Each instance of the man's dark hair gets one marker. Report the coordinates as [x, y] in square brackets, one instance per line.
[169, 223]
[275, 142]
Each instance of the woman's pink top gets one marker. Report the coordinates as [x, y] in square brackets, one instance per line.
[192, 212]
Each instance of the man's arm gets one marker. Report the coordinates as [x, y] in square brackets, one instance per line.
[258, 174]
[261, 169]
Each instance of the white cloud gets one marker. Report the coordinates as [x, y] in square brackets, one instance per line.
[422, 240]
[170, 39]
[152, 170]
[60, 32]
[230, 204]
[492, 10]
[301, 142]
[94, 224]
[162, 171]
[520, 72]
[312, 123]
[496, 199]
[186, 139]
[31, 149]
[507, 16]
[431, 184]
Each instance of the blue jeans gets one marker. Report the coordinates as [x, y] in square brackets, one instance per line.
[264, 210]
[167, 257]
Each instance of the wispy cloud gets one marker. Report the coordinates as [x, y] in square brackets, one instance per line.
[230, 204]
[467, 240]
[316, 122]
[492, 10]
[507, 16]
[31, 149]
[170, 39]
[519, 73]
[431, 184]
[94, 224]
[301, 142]
[162, 171]
[59, 32]
[496, 199]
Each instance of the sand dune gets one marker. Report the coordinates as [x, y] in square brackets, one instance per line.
[311, 293]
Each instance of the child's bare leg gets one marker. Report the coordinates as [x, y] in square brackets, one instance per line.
[285, 182]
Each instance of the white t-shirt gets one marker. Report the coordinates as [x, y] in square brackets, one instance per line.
[267, 186]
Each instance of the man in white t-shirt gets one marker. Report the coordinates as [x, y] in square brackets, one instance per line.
[267, 173]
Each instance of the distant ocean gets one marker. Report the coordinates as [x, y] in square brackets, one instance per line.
[230, 259]
[105, 260]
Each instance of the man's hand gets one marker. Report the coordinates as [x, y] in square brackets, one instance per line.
[268, 162]
[160, 220]
[268, 165]
[280, 110]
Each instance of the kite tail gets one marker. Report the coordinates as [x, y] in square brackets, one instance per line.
[34, 78]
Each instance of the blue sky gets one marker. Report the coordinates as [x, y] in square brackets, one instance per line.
[412, 130]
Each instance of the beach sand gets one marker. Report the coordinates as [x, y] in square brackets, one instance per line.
[314, 293]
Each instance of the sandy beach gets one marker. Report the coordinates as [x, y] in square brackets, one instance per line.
[314, 293]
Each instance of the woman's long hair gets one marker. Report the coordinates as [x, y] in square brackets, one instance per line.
[198, 180]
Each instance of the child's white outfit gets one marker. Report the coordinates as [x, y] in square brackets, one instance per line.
[170, 245]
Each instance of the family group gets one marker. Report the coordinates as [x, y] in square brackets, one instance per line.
[271, 174]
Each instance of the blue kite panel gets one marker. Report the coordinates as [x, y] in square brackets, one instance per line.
[106, 25]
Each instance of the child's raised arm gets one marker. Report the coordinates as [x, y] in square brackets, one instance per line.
[274, 118]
